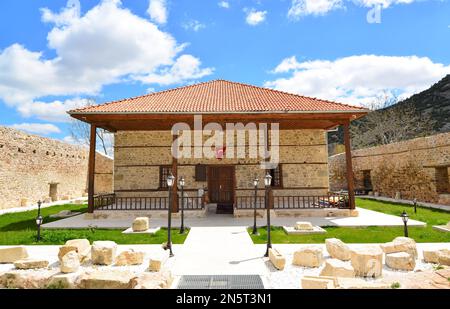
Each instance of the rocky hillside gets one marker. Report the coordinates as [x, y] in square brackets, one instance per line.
[434, 102]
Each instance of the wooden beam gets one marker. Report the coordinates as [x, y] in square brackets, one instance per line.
[91, 168]
[175, 206]
[349, 164]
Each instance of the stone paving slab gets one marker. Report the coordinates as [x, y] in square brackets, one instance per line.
[366, 218]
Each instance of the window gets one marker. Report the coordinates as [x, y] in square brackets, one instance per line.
[164, 171]
[367, 180]
[200, 172]
[277, 176]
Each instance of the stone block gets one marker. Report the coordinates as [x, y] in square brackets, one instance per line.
[337, 268]
[337, 249]
[400, 261]
[303, 226]
[431, 256]
[357, 283]
[63, 281]
[31, 264]
[70, 262]
[155, 264]
[130, 257]
[400, 244]
[444, 257]
[309, 282]
[103, 252]
[26, 279]
[159, 280]
[107, 279]
[308, 257]
[277, 259]
[367, 261]
[12, 254]
[80, 246]
[140, 224]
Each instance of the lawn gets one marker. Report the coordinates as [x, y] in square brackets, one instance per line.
[20, 229]
[370, 234]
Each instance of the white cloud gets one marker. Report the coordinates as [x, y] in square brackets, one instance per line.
[224, 4]
[193, 25]
[185, 66]
[38, 128]
[359, 80]
[157, 9]
[70, 140]
[301, 8]
[255, 17]
[55, 111]
[384, 3]
[108, 44]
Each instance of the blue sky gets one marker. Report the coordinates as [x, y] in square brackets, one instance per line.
[55, 54]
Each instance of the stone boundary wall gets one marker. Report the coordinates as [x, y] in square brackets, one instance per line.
[29, 164]
[407, 170]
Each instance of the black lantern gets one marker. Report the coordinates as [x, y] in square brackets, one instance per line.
[405, 218]
[255, 185]
[39, 221]
[267, 183]
[182, 183]
[170, 183]
[415, 205]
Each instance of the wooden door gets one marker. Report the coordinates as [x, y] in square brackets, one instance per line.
[221, 184]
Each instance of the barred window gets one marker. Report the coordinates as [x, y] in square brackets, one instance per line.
[164, 172]
[276, 174]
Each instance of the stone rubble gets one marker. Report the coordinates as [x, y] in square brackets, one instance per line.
[308, 256]
[400, 261]
[103, 252]
[31, 264]
[367, 261]
[70, 263]
[277, 259]
[130, 257]
[337, 268]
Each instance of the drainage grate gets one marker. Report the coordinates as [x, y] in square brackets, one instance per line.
[221, 282]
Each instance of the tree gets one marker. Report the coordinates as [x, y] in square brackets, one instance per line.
[390, 124]
[81, 132]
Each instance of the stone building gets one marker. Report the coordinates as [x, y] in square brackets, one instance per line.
[147, 127]
[35, 168]
[417, 168]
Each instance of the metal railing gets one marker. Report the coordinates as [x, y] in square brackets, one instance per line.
[331, 200]
[112, 202]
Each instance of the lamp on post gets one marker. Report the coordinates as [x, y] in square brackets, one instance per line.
[170, 183]
[255, 184]
[267, 183]
[415, 205]
[39, 221]
[405, 218]
[182, 183]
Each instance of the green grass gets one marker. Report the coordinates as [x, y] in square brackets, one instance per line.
[370, 234]
[20, 229]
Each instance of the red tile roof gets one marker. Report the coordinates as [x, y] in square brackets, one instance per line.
[219, 96]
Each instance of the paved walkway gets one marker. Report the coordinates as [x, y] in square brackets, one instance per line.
[366, 218]
[408, 202]
[219, 251]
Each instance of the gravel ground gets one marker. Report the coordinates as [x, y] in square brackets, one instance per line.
[291, 276]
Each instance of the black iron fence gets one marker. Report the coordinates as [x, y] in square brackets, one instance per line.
[331, 200]
[113, 202]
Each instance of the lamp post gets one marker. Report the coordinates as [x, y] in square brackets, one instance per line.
[255, 184]
[415, 205]
[182, 183]
[39, 221]
[405, 218]
[170, 183]
[267, 183]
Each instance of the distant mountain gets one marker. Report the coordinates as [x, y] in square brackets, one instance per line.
[434, 102]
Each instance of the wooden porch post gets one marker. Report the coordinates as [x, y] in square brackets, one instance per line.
[174, 205]
[349, 164]
[91, 168]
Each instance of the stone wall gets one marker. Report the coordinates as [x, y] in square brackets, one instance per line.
[139, 155]
[29, 164]
[416, 168]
